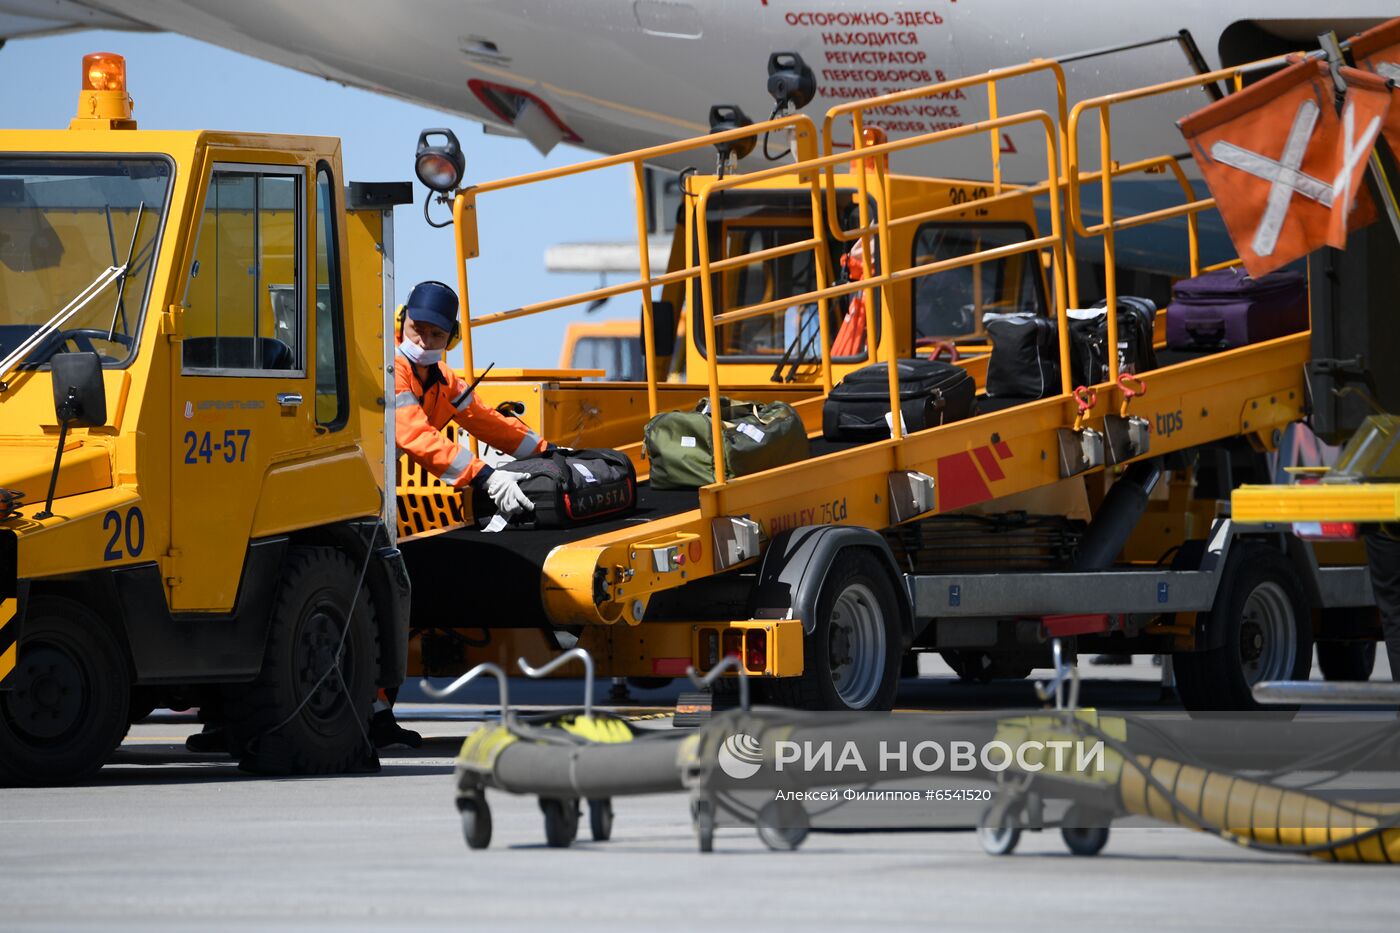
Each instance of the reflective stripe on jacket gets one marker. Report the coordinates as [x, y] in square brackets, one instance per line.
[420, 415]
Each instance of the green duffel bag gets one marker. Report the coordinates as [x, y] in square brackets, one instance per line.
[756, 437]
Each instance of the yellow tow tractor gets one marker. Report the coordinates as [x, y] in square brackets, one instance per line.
[1095, 512]
[192, 442]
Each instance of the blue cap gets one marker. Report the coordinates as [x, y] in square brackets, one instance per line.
[433, 303]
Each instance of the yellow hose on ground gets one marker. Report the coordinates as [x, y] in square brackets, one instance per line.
[1246, 812]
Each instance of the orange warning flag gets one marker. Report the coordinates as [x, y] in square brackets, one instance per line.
[1378, 51]
[1283, 165]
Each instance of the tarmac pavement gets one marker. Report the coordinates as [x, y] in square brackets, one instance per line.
[166, 840]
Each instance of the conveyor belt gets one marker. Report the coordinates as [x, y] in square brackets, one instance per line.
[505, 566]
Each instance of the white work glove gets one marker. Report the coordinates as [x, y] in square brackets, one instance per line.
[503, 487]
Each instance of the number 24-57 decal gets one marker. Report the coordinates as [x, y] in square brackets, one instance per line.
[232, 449]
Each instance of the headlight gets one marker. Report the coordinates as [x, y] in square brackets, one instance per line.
[439, 167]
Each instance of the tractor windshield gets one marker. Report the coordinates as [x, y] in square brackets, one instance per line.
[63, 222]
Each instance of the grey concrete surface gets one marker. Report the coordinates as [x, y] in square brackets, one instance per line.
[165, 840]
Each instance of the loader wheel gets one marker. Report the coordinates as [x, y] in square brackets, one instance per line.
[1267, 632]
[66, 709]
[476, 821]
[560, 821]
[783, 825]
[600, 818]
[997, 833]
[1085, 831]
[308, 711]
[851, 657]
[1346, 660]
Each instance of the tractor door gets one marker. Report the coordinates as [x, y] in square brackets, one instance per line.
[262, 442]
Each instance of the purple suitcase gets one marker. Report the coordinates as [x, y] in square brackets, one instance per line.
[1226, 308]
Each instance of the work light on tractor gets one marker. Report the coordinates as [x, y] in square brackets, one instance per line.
[439, 167]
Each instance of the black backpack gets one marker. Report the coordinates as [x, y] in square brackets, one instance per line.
[568, 487]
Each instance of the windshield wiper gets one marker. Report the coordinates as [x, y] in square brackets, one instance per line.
[120, 309]
[34, 340]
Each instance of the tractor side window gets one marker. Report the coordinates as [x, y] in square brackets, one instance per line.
[243, 301]
[792, 333]
[951, 304]
[332, 395]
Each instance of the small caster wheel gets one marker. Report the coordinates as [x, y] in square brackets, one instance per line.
[476, 821]
[999, 838]
[702, 814]
[600, 818]
[783, 825]
[560, 821]
[1085, 831]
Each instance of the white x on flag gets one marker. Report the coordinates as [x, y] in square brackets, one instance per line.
[1285, 176]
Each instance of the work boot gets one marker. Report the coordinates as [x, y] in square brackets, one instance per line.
[210, 740]
[384, 730]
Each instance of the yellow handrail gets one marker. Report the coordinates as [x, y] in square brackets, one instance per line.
[804, 137]
[1109, 170]
[814, 171]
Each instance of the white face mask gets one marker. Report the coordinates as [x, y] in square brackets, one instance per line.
[417, 355]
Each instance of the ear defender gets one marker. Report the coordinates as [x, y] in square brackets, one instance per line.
[452, 341]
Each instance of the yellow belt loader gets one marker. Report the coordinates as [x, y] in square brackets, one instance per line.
[1095, 512]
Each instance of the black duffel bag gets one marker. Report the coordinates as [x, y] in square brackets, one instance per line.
[1088, 331]
[568, 487]
[1025, 360]
[931, 393]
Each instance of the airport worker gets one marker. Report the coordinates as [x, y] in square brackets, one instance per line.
[428, 394]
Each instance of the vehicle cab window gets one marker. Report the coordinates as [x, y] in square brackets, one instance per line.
[243, 302]
[332, 391]
[951, 304]
[68, 224]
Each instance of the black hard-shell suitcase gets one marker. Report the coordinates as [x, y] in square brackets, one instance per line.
[1226, 308]
[1025, 360]
[931, 392]
[568, 487]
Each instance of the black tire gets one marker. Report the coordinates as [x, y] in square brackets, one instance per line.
[783, 825]
[1085, 831]
[702, 814]
[68, 702]
[476, 821]
[1000, 838]
[560, 821]
[1267, 635]
[301, 715]
[857, 600]
[600, 819]
[1346, 660]
[1085, 840]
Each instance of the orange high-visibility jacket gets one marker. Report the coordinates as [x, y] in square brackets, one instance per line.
[420, 415]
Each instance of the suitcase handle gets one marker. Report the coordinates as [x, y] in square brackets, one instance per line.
[1206, 332]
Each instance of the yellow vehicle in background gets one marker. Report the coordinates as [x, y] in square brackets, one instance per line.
[192, 441]
[614, 348]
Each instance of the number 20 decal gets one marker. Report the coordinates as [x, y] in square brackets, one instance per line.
[130, 531]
